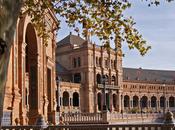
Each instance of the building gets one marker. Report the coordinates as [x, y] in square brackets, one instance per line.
[30, 88]
[81, 66]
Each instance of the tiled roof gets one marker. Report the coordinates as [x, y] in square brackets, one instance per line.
[71, 39]
[147, 75]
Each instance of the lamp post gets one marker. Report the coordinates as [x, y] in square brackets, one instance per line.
[141, 108]
[104, 92]
[164, 106]
[58, 80]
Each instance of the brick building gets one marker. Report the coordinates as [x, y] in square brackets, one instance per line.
[81, 66]
[30, 86]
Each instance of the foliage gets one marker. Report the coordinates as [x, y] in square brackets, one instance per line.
[103, 18]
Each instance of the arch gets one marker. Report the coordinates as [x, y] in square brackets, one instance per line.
[171, 101]
[22, 30]
[153, 101]
[75, 99]
[31, 68]
[98, 76]
[126, 101]
[114, 97]
[144, 102]
[162, 101]
[135, 101]
[99, 98]
[65, 98]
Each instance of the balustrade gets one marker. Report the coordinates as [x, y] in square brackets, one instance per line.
[96, 127]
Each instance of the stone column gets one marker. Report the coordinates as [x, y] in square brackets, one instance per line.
[149, 103]
[167, 104]
[119, 104]
[131, 103]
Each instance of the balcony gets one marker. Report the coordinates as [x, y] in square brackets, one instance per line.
[114, 87]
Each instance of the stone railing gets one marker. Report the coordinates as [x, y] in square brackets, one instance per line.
[108, 86]
[80, 118]
[129, 118]
[70, 84]
[96, 127]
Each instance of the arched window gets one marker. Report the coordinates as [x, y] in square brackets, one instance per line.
[75, 99]
[171, 101]
[144, 102]
[135, 101]
[65, 98]
[153, 101]
[126, 101]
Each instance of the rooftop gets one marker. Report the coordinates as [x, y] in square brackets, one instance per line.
[71, 39]
[148, 75]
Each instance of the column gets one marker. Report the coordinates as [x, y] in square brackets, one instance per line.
[167, 104]
[119, 103]
[149, 103]
[158, 105]
[131, 103]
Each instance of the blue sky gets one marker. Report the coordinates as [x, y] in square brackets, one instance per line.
[157, 25]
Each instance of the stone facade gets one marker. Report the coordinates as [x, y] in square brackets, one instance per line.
[126, 89]
[30, 87]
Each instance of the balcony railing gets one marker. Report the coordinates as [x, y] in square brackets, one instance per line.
[96, 127]
[108, 86]
[79, 118]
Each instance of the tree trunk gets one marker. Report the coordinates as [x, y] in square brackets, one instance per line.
[9, 12]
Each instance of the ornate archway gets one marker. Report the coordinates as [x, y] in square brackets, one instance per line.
[31, 70]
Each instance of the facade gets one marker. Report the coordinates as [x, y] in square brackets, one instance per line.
[30, 87]
[126, 89]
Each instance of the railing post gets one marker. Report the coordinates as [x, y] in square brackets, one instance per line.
[168, 121]
[41, 122]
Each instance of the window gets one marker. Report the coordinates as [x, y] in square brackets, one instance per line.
[96, 61]
[100, 62]
[115, 62]
[112, 64]
[77, 78]
[106, 63]
[79, 62]
[74, 63]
